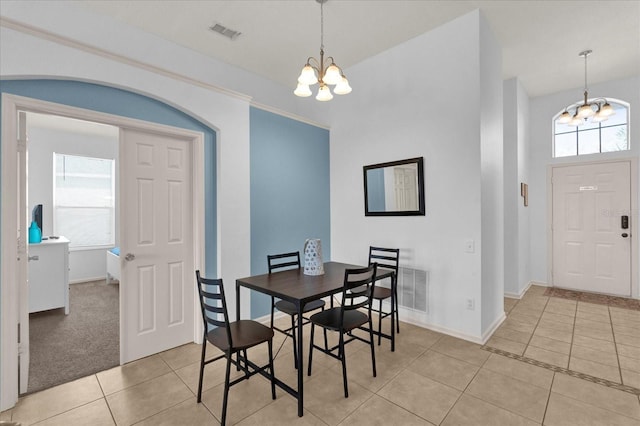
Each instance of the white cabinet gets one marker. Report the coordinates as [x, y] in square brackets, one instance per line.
[49, 275]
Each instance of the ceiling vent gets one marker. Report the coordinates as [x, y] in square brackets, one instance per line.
[227, 32]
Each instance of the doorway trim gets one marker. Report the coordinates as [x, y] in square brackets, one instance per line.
[635, 224]
[9, 288]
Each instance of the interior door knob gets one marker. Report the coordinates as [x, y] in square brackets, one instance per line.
[625, 235]
[129, 257]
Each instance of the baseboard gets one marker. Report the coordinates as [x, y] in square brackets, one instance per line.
[540, 284]
[413, 318]
[519, 295]
[416, 319]
[87, 280]
[266, 319]
[489, 332]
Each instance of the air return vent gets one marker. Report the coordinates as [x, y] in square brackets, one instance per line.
[413, 289]
[227, 32]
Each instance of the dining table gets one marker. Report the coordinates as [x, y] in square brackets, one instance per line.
[294, 286]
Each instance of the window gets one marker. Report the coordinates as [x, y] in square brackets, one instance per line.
[592, 138]
[84, 200]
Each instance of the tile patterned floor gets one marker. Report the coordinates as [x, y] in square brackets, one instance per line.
[592, 341]
[431, 379]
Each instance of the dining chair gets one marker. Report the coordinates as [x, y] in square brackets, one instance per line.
[357, 292]
[287, 261]
[230, 337]
[386, 258]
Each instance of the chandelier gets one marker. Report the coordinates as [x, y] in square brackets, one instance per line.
[324, 72]
[578, 113]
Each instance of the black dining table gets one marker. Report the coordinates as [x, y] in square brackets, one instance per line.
[294, 286]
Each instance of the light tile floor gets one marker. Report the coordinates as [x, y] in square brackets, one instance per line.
[598, 340]
[431, 379]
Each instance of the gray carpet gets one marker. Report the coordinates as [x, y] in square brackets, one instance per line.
[67, 347]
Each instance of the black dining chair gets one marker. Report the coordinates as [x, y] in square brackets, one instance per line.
[281, 262]
[230, 337]
[357, 292]
[386, 258]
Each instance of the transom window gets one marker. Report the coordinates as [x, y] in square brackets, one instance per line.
[592, 137]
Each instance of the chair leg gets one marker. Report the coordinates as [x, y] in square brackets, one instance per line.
[344, 364]
[226, 390]
[246, 363]
[373, 353]
[313, 328]
[295, 346]
[397, 312]
[326, 342]
[273, 375]
[204, 352]
[272, 311]
[379, 321]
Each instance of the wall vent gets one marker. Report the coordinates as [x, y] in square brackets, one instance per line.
[227, 32]
[413, 289]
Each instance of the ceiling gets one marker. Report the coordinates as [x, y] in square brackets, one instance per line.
[540, 39]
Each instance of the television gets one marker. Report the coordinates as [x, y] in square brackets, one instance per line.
[37, 216]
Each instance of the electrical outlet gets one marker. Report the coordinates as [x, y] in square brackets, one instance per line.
[469, 246]
[471, 304]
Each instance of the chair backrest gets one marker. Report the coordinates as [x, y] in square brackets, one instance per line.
[357, 291]
[213, 304]
[387, 258]
[284, 260]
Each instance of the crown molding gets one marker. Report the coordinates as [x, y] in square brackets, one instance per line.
[49, 36]
[66, 41]
[289, 115]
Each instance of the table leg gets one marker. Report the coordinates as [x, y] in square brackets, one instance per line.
[300, 362]
[237, 301]
[237, 319]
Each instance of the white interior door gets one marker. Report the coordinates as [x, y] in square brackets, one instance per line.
[157, 251]
[23, 254]
[590, 249]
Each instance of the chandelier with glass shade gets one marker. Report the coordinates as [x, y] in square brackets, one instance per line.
[324, 72]
[596, 110]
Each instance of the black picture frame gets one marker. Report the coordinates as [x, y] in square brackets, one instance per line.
[373, 203]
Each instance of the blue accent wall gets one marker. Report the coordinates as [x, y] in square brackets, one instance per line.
[289, 191]
[375, 190]
[128, 104]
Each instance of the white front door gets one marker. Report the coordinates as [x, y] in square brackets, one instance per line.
[157, 250]
[591, 250]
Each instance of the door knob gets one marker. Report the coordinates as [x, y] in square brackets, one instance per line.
[129, 257]
[625, 235]
[34, 258]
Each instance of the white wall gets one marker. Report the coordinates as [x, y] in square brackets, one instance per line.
[491, 160]
[84, 265]
[542, 110]
[516, 215]
[524, 270]
[407, 104]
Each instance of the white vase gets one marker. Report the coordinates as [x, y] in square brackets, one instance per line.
[313, 263]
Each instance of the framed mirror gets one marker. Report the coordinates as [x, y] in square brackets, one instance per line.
[395, 188]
